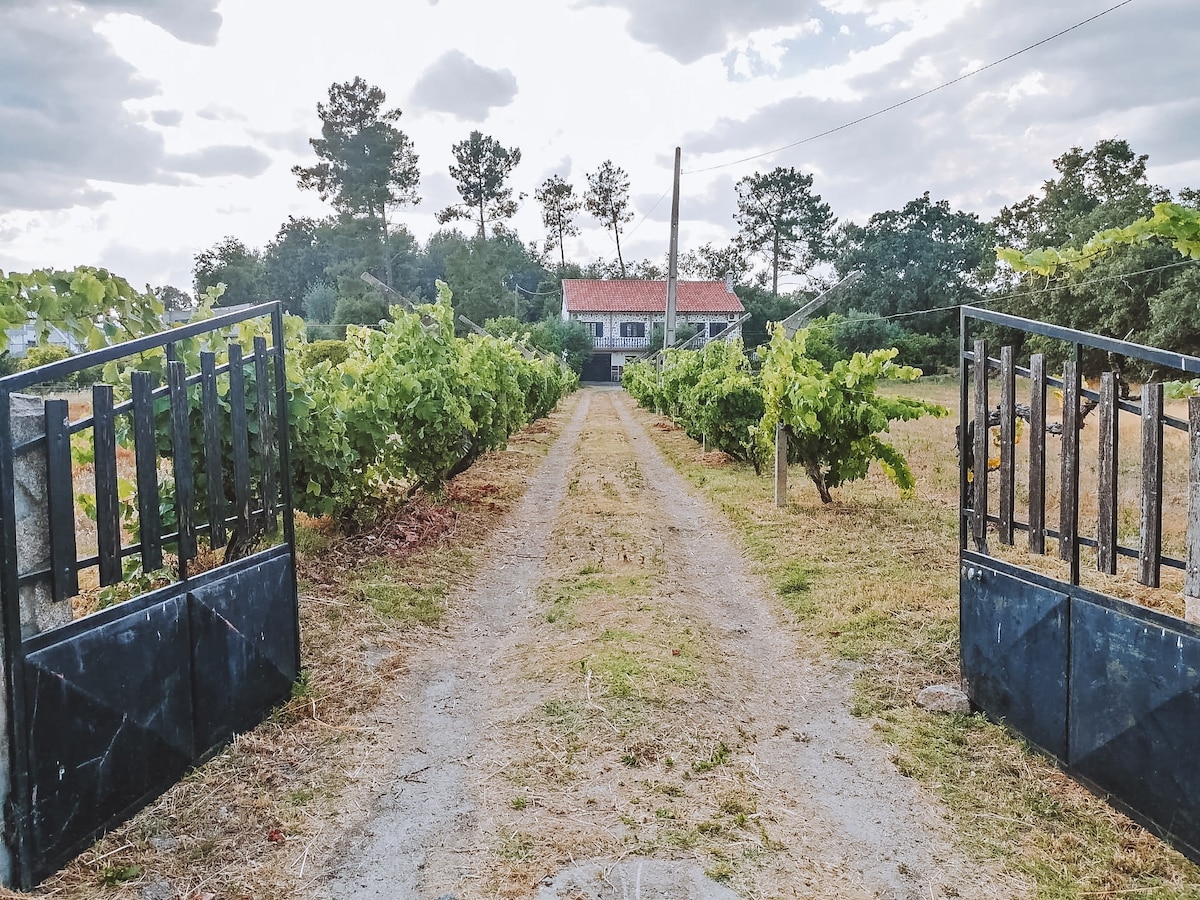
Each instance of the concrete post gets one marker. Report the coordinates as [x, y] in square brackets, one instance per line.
[39, 612]
[781, 464]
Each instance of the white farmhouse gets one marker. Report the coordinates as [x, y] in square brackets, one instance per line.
[621, 313]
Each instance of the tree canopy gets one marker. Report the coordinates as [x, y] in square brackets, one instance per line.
[783, 220]
[1095, 189]
[481, 172]
[607, 199]
[233, 264]
[559, 206]
[923, 256]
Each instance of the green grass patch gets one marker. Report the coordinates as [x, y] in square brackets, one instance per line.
[718, 757]
[381, 585]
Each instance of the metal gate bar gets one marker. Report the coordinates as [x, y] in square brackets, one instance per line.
[106, 711]
[1108, 688]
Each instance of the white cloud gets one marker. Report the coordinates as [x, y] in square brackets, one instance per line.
[193, 118]
[458, 85]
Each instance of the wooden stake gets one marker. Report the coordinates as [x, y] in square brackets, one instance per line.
[1191, 584]
[781, 467]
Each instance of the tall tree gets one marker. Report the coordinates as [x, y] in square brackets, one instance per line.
[923, 256]
[367, 165]
[482, 168]
[782, 219]
[1104, 187]
[559, 206]
[320, 301]
[715, 263]
[607, 198]
[233, 264]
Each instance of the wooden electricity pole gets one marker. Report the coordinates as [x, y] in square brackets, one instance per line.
[673, 262]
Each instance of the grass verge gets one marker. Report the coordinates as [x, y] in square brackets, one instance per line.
[251, 822]
[875, 577]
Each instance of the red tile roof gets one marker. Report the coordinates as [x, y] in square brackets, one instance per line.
[628, 295]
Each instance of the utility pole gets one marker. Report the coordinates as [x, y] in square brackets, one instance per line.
[673, 261]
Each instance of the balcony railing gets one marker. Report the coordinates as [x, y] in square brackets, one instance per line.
[608, 342]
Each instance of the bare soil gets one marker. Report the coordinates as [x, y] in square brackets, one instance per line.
[618, 708]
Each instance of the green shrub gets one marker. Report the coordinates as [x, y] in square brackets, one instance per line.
[42, 355]
[333, 351]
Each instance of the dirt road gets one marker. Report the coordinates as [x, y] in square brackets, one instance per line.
[619, 710]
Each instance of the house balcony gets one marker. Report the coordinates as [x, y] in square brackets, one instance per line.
[609, 342]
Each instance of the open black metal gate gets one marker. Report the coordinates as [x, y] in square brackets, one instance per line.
[1109, 688]
[107, 711]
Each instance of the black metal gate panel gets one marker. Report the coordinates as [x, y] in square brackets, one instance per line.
[1014, 653]
[107, 711]
[108, 725]
[1135, 712]
[242, 661]
[1109, 688]
[118, 711]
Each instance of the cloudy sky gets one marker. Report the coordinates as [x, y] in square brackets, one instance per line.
[136, 133]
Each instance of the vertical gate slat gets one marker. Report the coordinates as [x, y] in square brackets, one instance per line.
[266, 442]
[980, 450]
[1106, 522]
[1150, 557]
[1068, 512]
[108, 514]
[241, 439]
[64, 579]
[1008, 442]
[213, 474]
[146, 458]
[181, 445]
[1037, 454]
[1191, 584]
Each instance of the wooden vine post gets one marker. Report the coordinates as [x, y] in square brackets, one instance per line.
[1191, 585]
[781, 467]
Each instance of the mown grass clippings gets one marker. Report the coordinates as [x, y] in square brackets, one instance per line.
[875, 578]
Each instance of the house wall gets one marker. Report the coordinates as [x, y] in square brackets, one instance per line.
[612, 321]
[21, 338]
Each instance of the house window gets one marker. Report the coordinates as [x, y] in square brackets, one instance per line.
[633, 329]
[595, 329]
[715, 328]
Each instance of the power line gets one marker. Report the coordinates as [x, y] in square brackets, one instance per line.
[629, 233]
[1014, 296]
[933, 90]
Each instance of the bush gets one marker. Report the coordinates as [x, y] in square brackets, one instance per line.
[332, 351]
[711, 393]
[410, 403]
[42, 355]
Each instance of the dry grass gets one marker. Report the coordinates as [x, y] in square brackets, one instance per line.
[875, 576]
[250, 822]
[629, 748]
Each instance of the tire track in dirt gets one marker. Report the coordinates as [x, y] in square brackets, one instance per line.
[616, 687]
[827, 770]
[425, 818]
